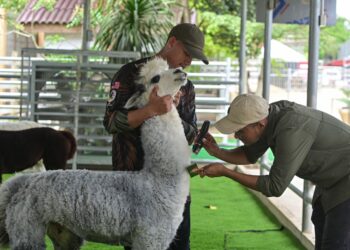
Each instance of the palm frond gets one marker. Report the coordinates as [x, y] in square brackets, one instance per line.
[136, 25]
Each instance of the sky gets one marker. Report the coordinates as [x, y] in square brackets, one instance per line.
[343, 8]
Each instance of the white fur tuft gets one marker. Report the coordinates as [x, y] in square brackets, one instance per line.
[154, 67]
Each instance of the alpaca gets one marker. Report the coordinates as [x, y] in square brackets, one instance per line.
[22, 149]
[141, 209]
[21, 125]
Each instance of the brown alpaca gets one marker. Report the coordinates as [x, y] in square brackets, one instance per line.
[24, 148]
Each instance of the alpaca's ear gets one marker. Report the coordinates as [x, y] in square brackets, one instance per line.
[133, 100]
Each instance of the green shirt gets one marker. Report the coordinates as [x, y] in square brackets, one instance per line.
[309, 144]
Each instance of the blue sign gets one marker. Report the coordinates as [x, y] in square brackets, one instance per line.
[296, 11]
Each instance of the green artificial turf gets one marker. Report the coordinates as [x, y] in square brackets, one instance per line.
[237, 213]
[238, 222]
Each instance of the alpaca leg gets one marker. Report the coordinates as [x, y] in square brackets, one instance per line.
[30, 239]
[25, 227]
[54, 160]
[144, 243]
[62, 238]
[26, 246]
[152, 241]
[1, 166]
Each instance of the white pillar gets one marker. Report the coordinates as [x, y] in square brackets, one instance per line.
[3, 32]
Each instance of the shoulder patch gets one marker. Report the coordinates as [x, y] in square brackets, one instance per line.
[112, 95]
[116, 85]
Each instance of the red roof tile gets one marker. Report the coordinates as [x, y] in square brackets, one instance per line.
[63, 13]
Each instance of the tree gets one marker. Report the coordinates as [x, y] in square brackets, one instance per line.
[331, 38]
[220, 22]
[223, 35]
[135, 25]
[142, 25]
[224, 7]
[14, 5]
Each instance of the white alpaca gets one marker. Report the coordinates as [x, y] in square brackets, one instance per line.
[141, 209]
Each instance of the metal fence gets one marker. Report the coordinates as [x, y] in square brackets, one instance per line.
[68, 90]
[64, 90]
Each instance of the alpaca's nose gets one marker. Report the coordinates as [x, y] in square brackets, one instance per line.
[178, 71]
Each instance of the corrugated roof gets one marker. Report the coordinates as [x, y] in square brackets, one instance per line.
[63, 13]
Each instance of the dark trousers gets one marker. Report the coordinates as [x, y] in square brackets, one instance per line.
[182, 238]
[332, 229]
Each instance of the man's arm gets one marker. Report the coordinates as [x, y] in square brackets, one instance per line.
[124, 120]
[233, 156]
[292, 147]
[218, 169]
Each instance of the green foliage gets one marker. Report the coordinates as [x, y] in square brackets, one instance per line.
[331, 37]
[47, 4]
[143, 25]
[18, 5]
[53, 39]
[222, 34]
[220, 22]
[224, 7]
[290, 31]
[346, 98]
[78, 18]
[135, 25]
[13, 5]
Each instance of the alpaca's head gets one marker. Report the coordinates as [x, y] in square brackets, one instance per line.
[156, 72]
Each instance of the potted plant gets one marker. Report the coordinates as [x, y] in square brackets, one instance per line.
[345, 111]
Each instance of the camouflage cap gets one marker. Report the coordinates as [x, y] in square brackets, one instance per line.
[192, 38]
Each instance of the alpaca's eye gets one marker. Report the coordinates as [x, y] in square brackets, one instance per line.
[155, 79]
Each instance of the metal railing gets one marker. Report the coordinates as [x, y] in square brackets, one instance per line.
[68, 89]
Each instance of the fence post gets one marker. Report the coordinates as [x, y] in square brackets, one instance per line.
[31, 93]
[307, 210]
[226, 91]
[80, 58]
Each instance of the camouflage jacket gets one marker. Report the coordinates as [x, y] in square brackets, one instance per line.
[127, 152]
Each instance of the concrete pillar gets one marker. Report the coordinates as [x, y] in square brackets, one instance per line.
[41, 39]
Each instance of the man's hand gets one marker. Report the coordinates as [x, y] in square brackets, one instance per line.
[209, 143]
[159, 105]
[211, 170]
[177, 98]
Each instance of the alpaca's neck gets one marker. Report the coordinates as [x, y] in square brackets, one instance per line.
[165, 144]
